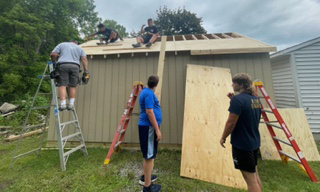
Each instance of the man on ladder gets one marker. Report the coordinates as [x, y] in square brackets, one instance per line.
[243, 125]
[67, 70]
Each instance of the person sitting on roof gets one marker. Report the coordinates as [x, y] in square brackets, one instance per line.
[149, 35]
[111, 35]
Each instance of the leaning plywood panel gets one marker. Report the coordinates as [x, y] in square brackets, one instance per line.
[298, 125]
[206, 111]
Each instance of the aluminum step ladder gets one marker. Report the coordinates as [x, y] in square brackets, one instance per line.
[60, 127]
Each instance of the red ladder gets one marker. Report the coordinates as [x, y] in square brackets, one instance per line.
[124, 122]
[282, 125]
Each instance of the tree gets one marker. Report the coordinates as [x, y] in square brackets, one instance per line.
[114, 25]
[30, 29]
[178, 21]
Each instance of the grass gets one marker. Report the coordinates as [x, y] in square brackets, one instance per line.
[33, 173]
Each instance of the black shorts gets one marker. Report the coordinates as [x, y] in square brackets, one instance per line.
[245, 160]
[146, 38]
[148, 142]
[69, 75]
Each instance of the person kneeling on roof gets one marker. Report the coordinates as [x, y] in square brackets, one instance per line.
[150, 35]
[111, 35]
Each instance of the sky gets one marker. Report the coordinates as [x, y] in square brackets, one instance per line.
[282, 23]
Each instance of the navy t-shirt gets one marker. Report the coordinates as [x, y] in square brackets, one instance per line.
[149, 100]
[246, 134]
[106, 32]
[153, 29]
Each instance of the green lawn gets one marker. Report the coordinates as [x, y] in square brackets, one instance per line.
[43, 173]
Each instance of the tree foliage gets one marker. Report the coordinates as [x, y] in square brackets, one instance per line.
[30, 29]
[178, 21]
[114, 25]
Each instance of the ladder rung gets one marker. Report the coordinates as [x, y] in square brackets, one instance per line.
[73, 150]
[119, 142]
[127, 119]
[122, 131]
[269, 122]
[273, 125]
[69, 122]
[40, 107]
[267, 111]
[131, 107]
[33, 151]
[285, 142]
[290, 156]
[70, 136]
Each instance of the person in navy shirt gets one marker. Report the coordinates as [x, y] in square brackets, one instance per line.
[149, 35]
[110, 35]
[243, 125]
[149, 132]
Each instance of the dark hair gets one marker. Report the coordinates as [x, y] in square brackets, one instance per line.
[100, 25]
[153, 81]
[74, 41]
[150, 19]
[245, 80]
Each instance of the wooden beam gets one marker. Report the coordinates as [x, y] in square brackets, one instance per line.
[174, 38]
[132, 54]
[147, 54]
[161, 66]
[104, 56]
[183, 37]
[205, 37]
[118, 55]
[194, 37]
[16, 137]
[215, 36]
[91, 56]
[226, 36]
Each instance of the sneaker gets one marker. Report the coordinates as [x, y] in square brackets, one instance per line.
[153, 179]
[70, 107]
[136, 45]
[62, 107]
[149, 44]
[152, 188]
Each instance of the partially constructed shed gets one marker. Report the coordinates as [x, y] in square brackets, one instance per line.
[115, 67]
[296, 78]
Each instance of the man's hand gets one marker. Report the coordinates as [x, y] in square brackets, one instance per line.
[230, 95]
[85, 77]
[143, 25]
[159, 135]
[222, 142]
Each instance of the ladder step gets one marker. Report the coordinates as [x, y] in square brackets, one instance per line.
[119, 142]
[40, 107]
[70, 136]
[122, 131]
[73, 150]
[267, 111]
[69, 122]
[127, 119]
[285, 142]
[273, 125]
[269, 122]
[24, 154]
[290, 156]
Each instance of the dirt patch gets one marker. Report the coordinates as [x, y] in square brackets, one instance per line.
[133, 170]
[5, 184]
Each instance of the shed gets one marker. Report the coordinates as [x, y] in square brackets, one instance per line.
[115, 67]
[296, 79]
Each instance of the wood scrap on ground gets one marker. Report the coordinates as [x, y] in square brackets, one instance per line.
[16, 137]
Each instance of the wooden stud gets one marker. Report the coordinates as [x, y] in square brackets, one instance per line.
[204, 37]
[226, 36]
[132, 54]
[104, 56]
[174, 38]
[194, 37]
[215, 36]
[161, 66]
[91, 57]
[183, 37]
[147, 54]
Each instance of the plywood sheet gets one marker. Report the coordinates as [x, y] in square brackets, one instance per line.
[297, 123]
[206, 111]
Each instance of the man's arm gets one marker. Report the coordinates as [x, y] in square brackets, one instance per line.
[142, 29]
[119, 36]
[230, 125]
[112, 35]
[84, 61]
[54, 56]
[154, 122]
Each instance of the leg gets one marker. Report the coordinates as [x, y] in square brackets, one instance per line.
[147, 171]
[140, 39]
[258, 179]
[63, 92]
[154, 38]
[252, 181]
[73, 92]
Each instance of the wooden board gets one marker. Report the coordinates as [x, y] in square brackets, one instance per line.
[206, 112]
[297, 123]
[161, 65]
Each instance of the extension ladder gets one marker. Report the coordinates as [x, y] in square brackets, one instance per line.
[124, 122]
[59, 126]
[282, 125]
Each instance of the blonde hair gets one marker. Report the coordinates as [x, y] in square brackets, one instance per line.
[245, 80]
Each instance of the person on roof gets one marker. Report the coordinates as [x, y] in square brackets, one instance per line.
[110, 35]
[149, 35]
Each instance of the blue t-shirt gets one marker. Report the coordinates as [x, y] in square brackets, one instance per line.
[149, 100]
[246, 134]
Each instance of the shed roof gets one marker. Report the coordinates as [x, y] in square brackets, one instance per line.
[295, 47]
[198, 44]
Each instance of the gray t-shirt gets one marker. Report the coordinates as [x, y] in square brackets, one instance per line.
[69, 53]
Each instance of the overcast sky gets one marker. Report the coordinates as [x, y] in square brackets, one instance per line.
[282, 23]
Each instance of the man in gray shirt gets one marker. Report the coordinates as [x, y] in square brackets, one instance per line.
[70, 54]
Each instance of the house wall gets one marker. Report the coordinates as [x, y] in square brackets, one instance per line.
[101, 102]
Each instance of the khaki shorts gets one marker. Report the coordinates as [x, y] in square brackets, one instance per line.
[69, 75]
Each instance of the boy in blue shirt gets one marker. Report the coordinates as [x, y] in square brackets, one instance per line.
[243, 125]
[149, 132]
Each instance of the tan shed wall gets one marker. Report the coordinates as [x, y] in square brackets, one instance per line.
[101, 103]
